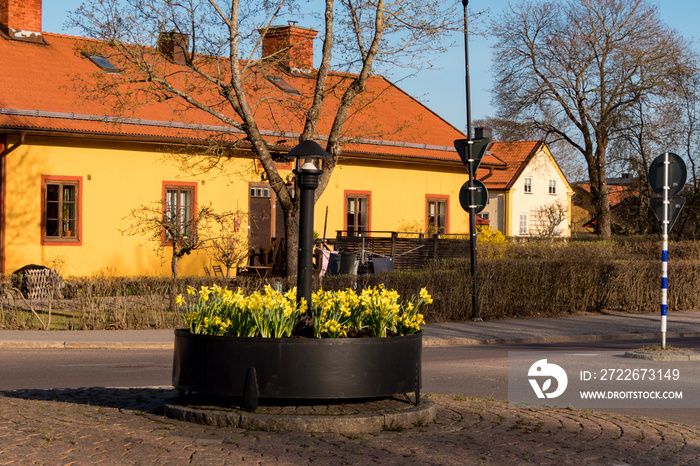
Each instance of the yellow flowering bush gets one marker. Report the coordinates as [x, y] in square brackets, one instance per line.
[493, 241]
[272, 314]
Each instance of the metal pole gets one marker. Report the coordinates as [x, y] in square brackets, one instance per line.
[308, 181]
[664, 252]
[472, 174]
[466, 64]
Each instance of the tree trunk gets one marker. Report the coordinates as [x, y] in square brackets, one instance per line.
[173, 271]
[291, 226]
[602, 207]
[173, 262]
[599, 189]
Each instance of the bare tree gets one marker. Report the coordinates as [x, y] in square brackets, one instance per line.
[571, 69]
[686, 130]
[167, 229]
[229, 246]
[217, 70]
[548, 219]
[642, 135]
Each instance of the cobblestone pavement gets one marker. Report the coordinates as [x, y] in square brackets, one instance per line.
[123, 426]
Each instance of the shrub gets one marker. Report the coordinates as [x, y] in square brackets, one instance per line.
[523, 279]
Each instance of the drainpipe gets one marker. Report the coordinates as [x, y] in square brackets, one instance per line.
[3, 186]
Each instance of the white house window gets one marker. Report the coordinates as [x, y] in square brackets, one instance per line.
[527, 185]
[524, 227]
[552, 186]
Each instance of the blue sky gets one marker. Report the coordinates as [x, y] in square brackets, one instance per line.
[442, 89]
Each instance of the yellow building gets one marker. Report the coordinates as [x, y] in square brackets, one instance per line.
[72, 172]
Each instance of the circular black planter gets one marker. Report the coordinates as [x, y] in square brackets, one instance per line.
[297, 368]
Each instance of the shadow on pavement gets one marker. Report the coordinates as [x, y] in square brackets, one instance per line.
[148, 400]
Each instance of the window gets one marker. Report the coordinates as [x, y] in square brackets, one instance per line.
[552, 186]
[527, 185]
[283, 85]
[356, 213]
[61, 209]
[259, 191]
[524, 227]
[178, 213]
[102, 62]
[437, 215]
[484, 215]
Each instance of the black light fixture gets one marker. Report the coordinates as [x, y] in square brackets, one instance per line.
[308, 167]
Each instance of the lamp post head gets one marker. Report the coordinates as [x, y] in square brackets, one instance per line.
[309, 156]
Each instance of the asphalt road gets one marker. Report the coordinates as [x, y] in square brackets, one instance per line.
[478, 370]
[482, 370]
[60, 368]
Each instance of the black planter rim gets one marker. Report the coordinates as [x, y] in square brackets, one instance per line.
[304, 340]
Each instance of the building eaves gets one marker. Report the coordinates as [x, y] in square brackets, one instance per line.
[449, 152]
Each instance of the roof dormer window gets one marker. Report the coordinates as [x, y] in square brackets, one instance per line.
[102, 62]
[283, 85]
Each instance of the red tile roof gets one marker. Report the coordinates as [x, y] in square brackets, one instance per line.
[512, 157]
[616, 193]
[42, 82]
[42, 90]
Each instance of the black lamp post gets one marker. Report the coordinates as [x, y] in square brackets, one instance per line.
[309, 156]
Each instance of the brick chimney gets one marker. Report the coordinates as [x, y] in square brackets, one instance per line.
[291, 46]
[21, 19]
[174, 46]
[481, 132]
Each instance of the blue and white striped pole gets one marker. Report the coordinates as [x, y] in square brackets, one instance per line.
[667, 175]
[664, 252]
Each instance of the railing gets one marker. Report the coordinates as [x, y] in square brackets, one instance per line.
[409, 251]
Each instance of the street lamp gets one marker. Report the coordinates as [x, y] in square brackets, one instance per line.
[309, 157]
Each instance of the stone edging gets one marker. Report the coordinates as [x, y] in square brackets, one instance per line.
[342, 424]
[664, 355]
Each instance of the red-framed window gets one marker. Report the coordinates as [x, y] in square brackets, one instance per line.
[61, 210]
[179, 210]
[358, 212]
[437, 208]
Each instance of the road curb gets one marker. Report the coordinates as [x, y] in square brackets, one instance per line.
[427, 341]
[560, 339]
[664, 355]
[327, 423]
[74, 345]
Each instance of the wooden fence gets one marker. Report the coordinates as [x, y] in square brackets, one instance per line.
[408, 251]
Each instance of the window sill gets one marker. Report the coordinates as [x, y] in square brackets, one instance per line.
[61, 241]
